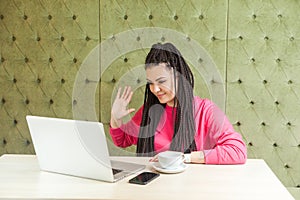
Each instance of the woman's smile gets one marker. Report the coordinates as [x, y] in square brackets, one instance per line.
[160, 95]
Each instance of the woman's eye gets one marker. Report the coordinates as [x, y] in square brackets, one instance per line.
[161, 82]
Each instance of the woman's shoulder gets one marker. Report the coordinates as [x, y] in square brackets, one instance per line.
[205, 107]
[200, 102]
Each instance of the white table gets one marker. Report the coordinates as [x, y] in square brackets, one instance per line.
[20, 178]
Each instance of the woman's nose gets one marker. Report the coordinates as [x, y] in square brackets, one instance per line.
[156, 88]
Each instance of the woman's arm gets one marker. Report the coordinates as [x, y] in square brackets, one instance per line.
[127, 134]
[229, 147]
[220, 144]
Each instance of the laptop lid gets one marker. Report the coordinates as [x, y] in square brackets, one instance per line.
[75, 147]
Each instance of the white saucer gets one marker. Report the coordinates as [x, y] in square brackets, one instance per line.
[158, 168]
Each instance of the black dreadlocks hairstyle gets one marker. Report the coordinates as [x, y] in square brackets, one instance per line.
[184, 126]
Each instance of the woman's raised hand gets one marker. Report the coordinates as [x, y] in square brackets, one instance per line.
[119, 108]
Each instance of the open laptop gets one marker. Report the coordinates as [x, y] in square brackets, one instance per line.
[76, 148]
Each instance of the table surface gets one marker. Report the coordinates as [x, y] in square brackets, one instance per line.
[21, 178]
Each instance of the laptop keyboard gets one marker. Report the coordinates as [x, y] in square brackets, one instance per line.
[116, 171]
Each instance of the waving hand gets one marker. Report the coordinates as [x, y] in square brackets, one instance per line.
[119, 108]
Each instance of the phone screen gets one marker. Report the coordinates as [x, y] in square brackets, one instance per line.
[144, 178]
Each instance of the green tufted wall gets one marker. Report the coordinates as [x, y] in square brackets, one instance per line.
[263, 87]
[244, 55]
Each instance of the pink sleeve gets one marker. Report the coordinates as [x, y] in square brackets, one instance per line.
[226, 145]
[229, 150]
[127, 134]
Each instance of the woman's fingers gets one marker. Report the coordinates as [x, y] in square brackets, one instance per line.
[125, 92]
[119, 107]
[119, 93]
[130, 110]
[128, 93]
[129, 96]
[154, 159]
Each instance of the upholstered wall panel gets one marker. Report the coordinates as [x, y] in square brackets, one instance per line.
[42, 46]
[66, 58]
[263, 82]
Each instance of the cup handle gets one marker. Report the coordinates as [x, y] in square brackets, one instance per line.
[187, 158]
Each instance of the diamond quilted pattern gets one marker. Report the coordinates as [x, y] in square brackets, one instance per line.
[42, 46]
[263, 91]
[248, 64]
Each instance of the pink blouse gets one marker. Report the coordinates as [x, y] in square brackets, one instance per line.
[214, 135]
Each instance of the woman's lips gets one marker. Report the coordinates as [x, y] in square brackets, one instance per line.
[160, 95]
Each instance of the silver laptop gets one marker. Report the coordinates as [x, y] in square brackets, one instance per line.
[76, 148]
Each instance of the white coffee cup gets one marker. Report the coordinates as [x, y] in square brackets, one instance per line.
[170, 159]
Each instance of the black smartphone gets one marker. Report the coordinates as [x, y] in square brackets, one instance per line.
[144, 178]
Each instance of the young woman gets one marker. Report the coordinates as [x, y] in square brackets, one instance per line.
[172, 118]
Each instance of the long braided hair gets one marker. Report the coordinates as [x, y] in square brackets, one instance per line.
[184, 126]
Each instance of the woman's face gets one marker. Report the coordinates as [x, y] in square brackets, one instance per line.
[161, 82]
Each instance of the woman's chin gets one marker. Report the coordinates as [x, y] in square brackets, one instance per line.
[162, 102]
